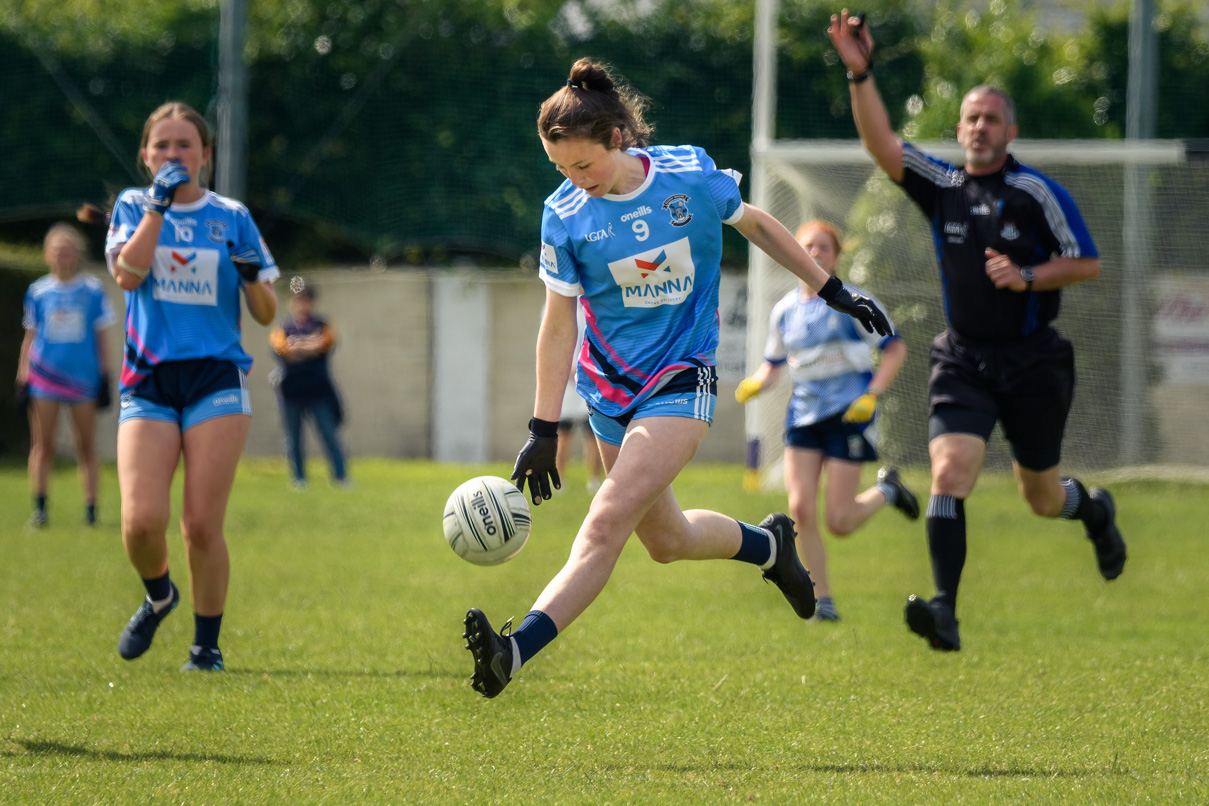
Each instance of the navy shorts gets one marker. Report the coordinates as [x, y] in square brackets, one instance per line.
[1028, 386]
[835, 438]
[187, 393]
[691, 393]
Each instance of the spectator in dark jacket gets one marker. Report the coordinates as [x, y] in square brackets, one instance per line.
[303, 343]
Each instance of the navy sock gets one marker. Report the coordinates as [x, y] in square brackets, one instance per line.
[158, 589]
[205, 630]
[756, 547]
[945, 523]
[90, 513]
[531, 637]
[40, 503]
[1080, 506]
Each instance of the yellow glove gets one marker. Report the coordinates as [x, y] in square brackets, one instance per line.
[861, 410]
[748, 388]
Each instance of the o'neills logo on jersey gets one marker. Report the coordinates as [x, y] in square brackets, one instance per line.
[186, 276]
[661, 276]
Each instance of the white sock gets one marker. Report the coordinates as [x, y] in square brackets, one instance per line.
[772, 551]
[516, 658]
[159, 606]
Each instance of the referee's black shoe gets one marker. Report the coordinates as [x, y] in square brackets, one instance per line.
[492, 653]
[787, 571]
[904, 499]
[934, 621]
[1110, 546]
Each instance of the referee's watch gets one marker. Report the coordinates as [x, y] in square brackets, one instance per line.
[1026, 274]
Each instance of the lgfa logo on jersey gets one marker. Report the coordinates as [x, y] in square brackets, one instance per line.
[600, 234]
[677, 207]
[1009, 231]
[217, 230]
[185, 276]
[661, 276]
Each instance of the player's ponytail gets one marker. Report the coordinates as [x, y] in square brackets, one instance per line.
[93, 214]
[592, 104]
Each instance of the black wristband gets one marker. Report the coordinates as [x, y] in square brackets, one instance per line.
[857, 78]
[830, 288]
[543, 428]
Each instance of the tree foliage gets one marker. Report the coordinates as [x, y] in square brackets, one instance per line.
[405, 128]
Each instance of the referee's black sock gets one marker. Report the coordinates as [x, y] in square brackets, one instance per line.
[1080, 506]
[945, 522]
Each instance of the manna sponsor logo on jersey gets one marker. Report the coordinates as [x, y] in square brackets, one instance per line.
[65, 326]
[185, 275]
[664, 275]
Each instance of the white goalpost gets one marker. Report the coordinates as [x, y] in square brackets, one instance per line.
[1141, 330]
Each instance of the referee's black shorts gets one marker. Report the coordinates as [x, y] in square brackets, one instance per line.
[1027, 385]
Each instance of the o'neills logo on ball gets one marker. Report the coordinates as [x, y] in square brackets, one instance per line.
[479, 503]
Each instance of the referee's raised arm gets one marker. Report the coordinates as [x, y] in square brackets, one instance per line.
[854, 44]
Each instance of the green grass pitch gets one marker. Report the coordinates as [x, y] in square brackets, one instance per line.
[347, 679]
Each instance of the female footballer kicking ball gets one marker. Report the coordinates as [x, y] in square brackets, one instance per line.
[184, 255]
[635, 232]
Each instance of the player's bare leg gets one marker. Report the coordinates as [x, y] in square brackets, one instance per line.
[211, 452]
[148, 451]
[636, 498]
[847, 510]
[84, 428]
[803, 476]
[640, 472]
[639, 475]
[43, 419]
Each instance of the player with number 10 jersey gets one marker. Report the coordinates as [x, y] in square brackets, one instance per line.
[189, 306]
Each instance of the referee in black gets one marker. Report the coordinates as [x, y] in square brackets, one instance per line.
[1007, 239]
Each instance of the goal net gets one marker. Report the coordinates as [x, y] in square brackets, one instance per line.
[1141, 330]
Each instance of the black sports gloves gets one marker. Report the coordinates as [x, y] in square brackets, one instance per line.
[859, 307]
[535, 462]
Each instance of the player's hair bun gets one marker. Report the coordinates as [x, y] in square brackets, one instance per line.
[588, 75]
[593, 104]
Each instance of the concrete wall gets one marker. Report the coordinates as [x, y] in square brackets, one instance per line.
[429, 364]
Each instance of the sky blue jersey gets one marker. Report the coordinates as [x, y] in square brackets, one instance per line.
[830, 356]
[65, 318]
[647, 264]
[189, 306]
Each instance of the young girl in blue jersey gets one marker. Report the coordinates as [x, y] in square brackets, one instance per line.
[64, 361]
[184, 255]
[634, 235]
[832, 418]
